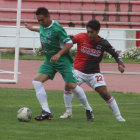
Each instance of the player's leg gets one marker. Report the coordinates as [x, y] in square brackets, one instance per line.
[68, 98]
[99, 85]
[40, 91]
[42, 96]
[42, 76]
[70, 84]
[102, 90]
[80, 94]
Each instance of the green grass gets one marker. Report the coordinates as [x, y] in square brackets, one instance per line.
[30, 57]
[105, 126]
[125, 60]
[22, 57]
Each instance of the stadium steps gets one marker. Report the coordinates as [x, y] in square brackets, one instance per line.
[76, 13]
[66, 23]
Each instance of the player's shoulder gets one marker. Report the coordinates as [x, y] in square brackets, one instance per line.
[104, 42]
[57, 25]
[41, 27]
[81, 35]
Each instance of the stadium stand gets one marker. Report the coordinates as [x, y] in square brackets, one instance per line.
[76, 13]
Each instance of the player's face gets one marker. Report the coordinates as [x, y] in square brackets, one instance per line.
[92, 34]
[43, 20]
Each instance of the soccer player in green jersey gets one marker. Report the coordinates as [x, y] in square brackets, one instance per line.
[56, 44]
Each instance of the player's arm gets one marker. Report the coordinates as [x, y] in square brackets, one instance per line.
[63, 37]
[66, 48]
[31, 28]
[116, 56]
[73, 38]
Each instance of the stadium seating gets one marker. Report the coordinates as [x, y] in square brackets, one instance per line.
[76, 13]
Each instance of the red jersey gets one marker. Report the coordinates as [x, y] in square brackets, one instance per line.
[89, 53]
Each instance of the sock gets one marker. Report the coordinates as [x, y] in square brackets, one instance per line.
[80, 94]
[68, 98]
[41, 95]
[114, 107]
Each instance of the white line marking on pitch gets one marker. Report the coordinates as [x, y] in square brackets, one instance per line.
[106, 104]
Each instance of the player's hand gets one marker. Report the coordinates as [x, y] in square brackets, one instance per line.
[71, 36]
[55, 58]
[29, 26]
[121, 68]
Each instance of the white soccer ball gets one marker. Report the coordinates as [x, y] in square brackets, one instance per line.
[24, 114]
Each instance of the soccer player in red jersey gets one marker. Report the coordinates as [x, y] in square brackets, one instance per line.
[90, 50]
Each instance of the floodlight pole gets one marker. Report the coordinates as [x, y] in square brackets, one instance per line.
[17, 40]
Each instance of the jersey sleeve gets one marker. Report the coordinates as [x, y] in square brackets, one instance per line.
[111, 50]
[63, 36]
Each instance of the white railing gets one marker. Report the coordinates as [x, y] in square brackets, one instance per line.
[117, 37]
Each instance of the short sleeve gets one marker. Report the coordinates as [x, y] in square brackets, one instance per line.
[63, 36]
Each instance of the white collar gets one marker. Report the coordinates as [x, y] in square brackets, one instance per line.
[50, 25]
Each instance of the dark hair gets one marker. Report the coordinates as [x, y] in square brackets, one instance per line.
[93, 24]
[42, 11]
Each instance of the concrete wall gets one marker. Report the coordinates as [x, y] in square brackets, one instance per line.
[130, 34]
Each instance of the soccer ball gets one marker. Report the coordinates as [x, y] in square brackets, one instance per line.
[24, 114]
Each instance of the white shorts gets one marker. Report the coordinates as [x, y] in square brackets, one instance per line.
[93, 80]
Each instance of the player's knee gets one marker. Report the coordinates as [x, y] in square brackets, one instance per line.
[67, 92]
[36, 84]
[70, 86]
[105, 95]
[103, 92]
[110, 100]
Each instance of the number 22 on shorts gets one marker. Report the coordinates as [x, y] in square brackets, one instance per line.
[99, 78]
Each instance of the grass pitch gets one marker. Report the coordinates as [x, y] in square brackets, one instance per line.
[105, 126]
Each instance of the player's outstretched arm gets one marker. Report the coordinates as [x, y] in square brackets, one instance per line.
[31, 28]
[111, 50]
